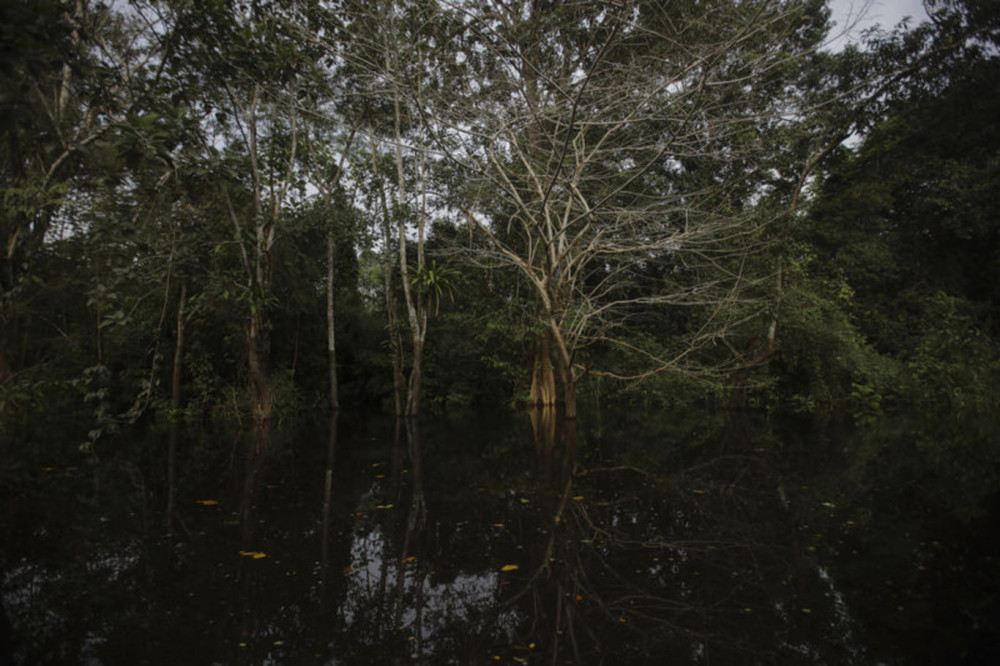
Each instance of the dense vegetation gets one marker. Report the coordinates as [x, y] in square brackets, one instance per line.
[256, 210]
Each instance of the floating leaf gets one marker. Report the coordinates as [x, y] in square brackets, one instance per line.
[509, 567]
[411, 558]
[207, 502]
[499, 525]
[255, 554]
[380, 476]
[384, 506]
[525, 500]
[578, 497]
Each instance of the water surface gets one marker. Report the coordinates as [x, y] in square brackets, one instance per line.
[501, 538]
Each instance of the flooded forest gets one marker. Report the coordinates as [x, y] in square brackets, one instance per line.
[498, 331]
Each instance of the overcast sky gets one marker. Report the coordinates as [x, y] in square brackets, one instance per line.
[886, 12]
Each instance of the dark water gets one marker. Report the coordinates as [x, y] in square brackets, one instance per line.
[501, 539]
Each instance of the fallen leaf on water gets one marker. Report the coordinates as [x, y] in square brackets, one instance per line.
[411, 558]
[579, 597]
[380, 476]
[698, 492]
[255, 554]
[578, 497]
[207, 502]
[509, 567]
[384, 506]
[525, 500]
[497, 524]
[230, 522]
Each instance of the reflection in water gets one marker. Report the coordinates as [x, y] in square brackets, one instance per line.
[331, 454]
[519, 543]
[393, 592]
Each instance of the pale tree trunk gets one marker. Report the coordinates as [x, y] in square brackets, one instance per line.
[257, 252]
[543, 381]
[327, 187]
[564, 359]
[388, 272]
[416, 309]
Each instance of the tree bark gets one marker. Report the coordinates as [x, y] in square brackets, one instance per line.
[175, 405]
[543, 382]
[331, 344]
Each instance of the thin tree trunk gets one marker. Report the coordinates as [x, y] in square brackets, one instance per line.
[391, 306]
[331, 343]
[175, 405]
[260, 395]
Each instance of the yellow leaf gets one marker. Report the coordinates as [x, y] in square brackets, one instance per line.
[384, 506]
[207, 502]
[509, 567]
[525, 500]
[253, 553]
[578, 497]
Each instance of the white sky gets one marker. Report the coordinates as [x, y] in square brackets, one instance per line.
[885, 12]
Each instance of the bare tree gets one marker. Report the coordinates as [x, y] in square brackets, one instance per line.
[623, 140]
